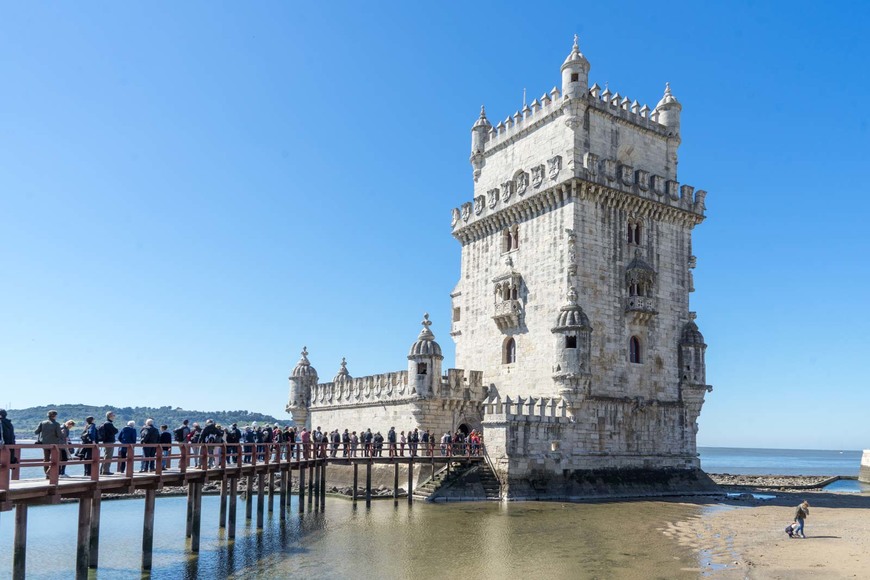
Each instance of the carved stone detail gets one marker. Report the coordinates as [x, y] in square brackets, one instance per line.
[554, 166]
[641, 177]
[626, 175]
[608, 166]
[507, 190]
[454, 217]
[537, 175]
[466, 211]
[522, 181]
[479, 204]
[493, 195]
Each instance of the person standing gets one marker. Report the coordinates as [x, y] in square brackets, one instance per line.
[7, 434]
[391, 441]
[107, 433]
[65, 450]
[233, 436]
[801, 513]
[49, 433]
[89, 437]
[305, 439]
[127, 436]
[150, 438]
[166, 443]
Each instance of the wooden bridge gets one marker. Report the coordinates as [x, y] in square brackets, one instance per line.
[192, 466]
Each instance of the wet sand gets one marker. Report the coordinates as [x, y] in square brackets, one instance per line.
[746, 539]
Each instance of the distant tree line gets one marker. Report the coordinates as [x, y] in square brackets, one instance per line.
[26, 420]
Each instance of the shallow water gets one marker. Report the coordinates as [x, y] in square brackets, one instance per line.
[474, 540]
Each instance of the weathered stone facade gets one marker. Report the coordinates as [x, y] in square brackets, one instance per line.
[573, 298]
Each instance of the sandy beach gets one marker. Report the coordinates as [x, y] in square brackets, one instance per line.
[745, 538]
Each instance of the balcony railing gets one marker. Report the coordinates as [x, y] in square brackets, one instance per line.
[507, 313]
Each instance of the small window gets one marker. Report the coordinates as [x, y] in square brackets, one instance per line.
[634, 232]
[456, 314]
[575, 77]
[570, 342]
[634, 350]
[509, 354]
[421, 368]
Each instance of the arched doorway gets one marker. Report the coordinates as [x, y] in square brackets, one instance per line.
[464, 429]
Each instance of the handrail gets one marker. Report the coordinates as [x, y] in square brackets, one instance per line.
[205, 456]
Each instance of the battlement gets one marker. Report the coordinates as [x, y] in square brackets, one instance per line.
[529, 409]
[394, 387]
[550, 105]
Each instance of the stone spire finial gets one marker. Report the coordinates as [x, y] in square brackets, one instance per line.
[342, 372]
[482, 112]
[304, 359]
[576, 42]
[572, 295]
[426, 334]
[426, 322]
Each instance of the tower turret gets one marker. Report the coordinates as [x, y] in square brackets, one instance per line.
[424, 361]
[693, 369]
[479, 134]
[575, 73]
[302, 380]
[668, 110]
[573, 342]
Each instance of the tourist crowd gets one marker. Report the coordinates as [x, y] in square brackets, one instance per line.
[249, 443]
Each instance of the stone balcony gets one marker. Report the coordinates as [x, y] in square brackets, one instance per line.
[641, 307]
[507, 314]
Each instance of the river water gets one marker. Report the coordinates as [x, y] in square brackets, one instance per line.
[462, 540]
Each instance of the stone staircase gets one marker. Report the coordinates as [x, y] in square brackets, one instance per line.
[464, 483]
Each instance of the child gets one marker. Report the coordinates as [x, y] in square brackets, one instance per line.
[789, 529]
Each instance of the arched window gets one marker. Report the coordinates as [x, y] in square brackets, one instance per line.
[509, 351]
[634, 232]
[634, 350]
[515, 237]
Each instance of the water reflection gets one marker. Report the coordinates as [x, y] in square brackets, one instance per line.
[483, 540]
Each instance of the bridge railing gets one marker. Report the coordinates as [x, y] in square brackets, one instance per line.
[26, 461]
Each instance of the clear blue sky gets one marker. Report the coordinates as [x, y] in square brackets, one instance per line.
[191, 192]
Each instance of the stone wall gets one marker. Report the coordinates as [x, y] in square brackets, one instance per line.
[864, 473]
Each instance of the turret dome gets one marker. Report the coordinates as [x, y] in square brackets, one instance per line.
[576, 58]
[425, 345]
[668, 100]
[571, 315]
[303, 367]
[691, 335]
[482, 121]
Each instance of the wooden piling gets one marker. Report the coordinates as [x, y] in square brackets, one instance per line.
[249, 498]
[396, 482]
[411, 480]
[282, 497]
[271, 491]
[355, 481]
[222, 516]
[197, 517]
[231, 531]
[260, 499]
[369, 483]
[148, 529]
[83, 544]
[301, 489]
[311, 483]
[189, 509]
[95, 529]
[19, 557]
[323, 485]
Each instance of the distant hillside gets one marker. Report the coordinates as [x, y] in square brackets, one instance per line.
[26, 420]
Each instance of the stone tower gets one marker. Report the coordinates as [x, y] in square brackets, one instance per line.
[573, 298]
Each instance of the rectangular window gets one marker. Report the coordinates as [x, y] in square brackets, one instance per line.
[456, 314]
[570, 342]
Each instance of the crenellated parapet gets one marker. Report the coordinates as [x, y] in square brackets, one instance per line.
[395, 388]
[535, 409]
